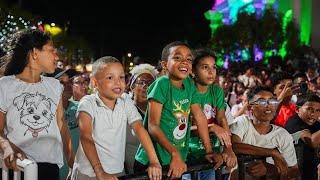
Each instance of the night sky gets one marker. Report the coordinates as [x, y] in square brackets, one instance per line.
[117, 27]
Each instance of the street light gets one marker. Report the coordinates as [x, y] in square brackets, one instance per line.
[129, 54]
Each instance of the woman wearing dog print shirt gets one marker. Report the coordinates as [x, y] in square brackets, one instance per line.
[31, 112]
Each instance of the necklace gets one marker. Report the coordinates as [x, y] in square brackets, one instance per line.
[143, 112]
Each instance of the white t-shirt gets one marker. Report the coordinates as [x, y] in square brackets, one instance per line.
[108, 132]
[31, 121]
[278, 138]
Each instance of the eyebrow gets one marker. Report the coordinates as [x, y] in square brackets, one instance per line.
[207, 64]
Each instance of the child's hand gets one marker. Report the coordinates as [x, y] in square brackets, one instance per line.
[215, 158]
[286, 92]
[257, 169]
[177, 167]
[12, 157]
[101, 175]
[106, 176]
[222, 134]
[245, 104]
[154, 171]
[6, 148]
[305, 134]
[280, 163]
[229, 158]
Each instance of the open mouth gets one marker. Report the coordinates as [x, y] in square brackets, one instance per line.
[117, 90]
[183, 69]
[311, 121]
[210, 79]
[268, 112]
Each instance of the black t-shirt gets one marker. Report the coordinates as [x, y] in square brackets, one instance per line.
[295, 124]
[308, 162]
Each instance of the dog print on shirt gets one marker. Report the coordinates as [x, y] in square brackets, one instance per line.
[36, 112]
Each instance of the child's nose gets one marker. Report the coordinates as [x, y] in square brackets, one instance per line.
[118, 81]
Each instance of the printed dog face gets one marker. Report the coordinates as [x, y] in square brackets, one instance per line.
[36, 112]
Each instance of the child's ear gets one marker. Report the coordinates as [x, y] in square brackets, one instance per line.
[34, 53]
[164, 64]
[93, 82]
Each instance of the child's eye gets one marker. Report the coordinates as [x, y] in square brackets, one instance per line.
[205, 67]
[178, 58]
[122, 77]
[109, 77]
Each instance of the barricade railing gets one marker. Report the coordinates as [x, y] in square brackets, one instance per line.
[192, 170]
[27, 166]
[201, 166]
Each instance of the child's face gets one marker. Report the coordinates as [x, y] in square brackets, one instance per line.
[179, 63]
[110, 81]
[46, 58]
[206, 71]
[281, 87]
[309, 112]
[264, 106]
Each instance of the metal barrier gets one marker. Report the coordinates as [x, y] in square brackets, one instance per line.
[242, 162]
[28, 167]
[193, 170]
[200, 166]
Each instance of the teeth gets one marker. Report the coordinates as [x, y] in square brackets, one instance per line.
[183, 69]
[267, 112]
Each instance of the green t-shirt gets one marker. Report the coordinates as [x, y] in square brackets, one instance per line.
[174, 121]
[211, 102]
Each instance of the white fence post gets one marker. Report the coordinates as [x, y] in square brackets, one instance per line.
[29, 168]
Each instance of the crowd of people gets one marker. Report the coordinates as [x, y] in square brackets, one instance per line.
[182, 111]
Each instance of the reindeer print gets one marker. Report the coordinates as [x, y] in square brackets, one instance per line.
[182, 116]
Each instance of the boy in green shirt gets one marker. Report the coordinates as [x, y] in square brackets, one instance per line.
[171, 98]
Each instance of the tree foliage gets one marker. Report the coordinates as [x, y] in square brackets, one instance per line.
[264, 31]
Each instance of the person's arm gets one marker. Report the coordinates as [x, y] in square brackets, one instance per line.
[242, 110]
[222, 120]
[312, 140]
[222, 131]
[177, 166]
[283, 98]
[89, 147]
[228, 155]
[8, 147]
[242, 148]
[154, 170]
[65, 135]
[202, 126]
[260, 168]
